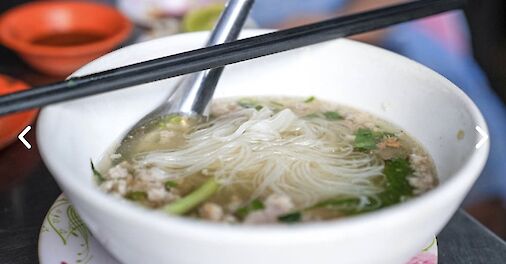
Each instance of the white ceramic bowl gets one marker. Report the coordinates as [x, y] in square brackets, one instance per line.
[417, 99]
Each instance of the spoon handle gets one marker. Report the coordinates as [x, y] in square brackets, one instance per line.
[196, 90]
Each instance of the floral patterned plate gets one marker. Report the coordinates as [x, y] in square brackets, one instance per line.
[65, 239]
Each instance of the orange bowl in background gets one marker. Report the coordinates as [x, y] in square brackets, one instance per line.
[11, 125]
[58, 37]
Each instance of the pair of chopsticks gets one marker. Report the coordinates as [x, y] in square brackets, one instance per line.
[221, 55]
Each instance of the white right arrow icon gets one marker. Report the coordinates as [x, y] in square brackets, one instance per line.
[22, 139]
[484, 137]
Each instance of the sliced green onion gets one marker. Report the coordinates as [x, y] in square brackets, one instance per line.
[192, 200]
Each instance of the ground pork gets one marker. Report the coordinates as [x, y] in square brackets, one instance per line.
[423, 177]
[119, 171]
[211, 211]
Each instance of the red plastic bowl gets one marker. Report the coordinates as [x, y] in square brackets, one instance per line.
[58, 37]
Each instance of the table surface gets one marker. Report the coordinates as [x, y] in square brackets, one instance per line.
[27, 190]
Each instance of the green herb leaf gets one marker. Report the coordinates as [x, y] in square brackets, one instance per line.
[332, 115]
[247, 103]
[176, 119]
[98, 176]
[366, 139]
[242, 212]
[253, 206]
[277, 104]
[170, 119]
[338, 203]
[397, 187]
[290, 218]
[396, 171]
[136, 196]
[169, 185]
[313, 115]
[348, 206]
[256, 205]
[310, 99]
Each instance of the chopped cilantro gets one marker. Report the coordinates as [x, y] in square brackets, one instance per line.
[242, 212]
[397, 186]
[256, 205]
[170, 184]
[310, 99]
[170, 119]
[347, 205]
[332, 115]
[290, 218]
[247, 103]
[176, 119]
[136, 196]
[277, 104]
[366, 139]
[253, 206]
[313, 115]
[338, 203]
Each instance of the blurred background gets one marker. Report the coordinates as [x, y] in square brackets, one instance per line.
[469, 48]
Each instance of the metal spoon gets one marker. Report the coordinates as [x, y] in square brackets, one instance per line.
[191, 98]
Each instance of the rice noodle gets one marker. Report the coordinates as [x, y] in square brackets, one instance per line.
[307, 159]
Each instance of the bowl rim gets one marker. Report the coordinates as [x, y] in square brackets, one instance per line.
[273, 234]
[25, 47]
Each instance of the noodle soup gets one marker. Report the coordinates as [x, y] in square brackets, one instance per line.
[267, 160]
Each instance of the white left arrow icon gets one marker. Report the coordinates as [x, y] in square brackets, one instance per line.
[22, 139]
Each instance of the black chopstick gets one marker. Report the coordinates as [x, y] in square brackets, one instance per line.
[221, 55]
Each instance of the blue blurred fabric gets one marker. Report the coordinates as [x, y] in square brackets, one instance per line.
[413, 41]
